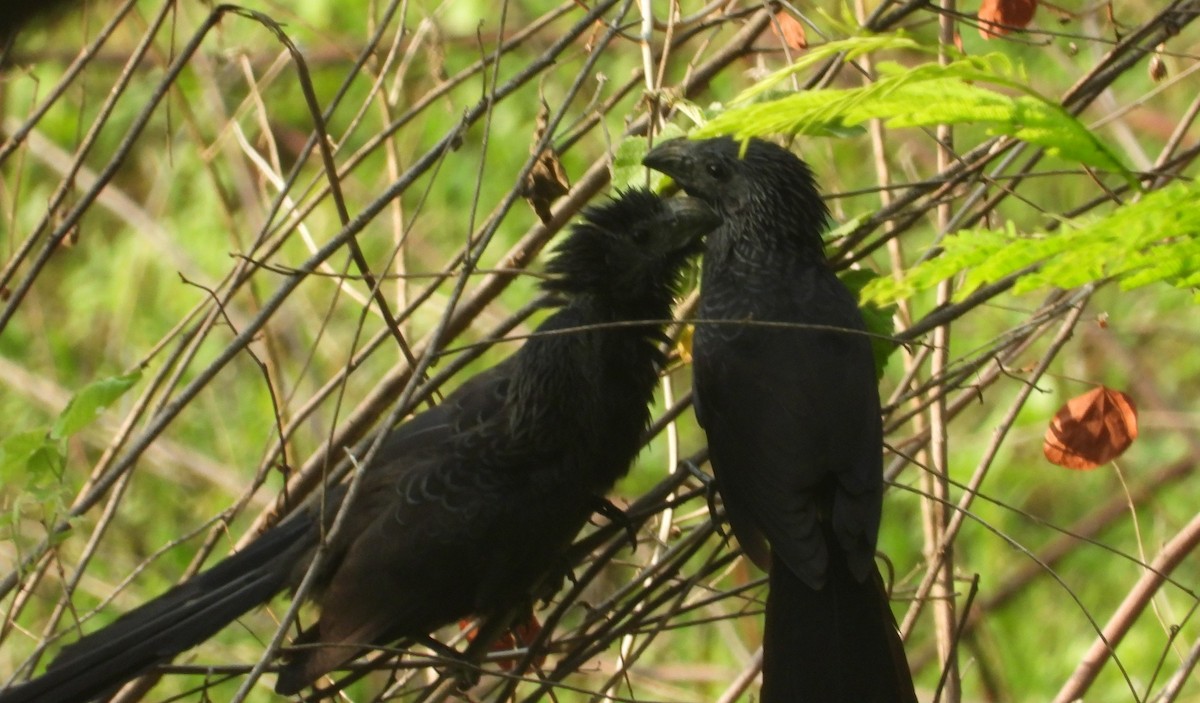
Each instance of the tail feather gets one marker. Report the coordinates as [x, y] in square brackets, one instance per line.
[176, 621]
[832, 645]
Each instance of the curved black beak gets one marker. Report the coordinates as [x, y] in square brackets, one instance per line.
[688, 219]
[674, 158]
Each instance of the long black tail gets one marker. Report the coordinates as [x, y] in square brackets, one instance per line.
[176, 621]
[838, 644]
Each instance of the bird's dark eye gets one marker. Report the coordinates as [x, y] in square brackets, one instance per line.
[716, 170]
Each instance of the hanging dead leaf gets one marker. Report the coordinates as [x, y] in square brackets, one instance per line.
[789, 30]
[1000, 17]
[1091, 429]
[547, 181]
[1158, 69]
[435, 54]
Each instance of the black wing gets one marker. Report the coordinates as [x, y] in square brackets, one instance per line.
[795, 436]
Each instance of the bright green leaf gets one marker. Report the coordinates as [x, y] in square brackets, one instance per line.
[1152, 240]
[922, 96]
[88, 403]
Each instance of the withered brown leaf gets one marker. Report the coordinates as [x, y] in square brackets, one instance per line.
[789, 30]
[1091, 429]
[1000, 17]
[547, 181]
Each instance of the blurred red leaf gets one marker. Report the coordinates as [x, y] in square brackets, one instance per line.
[522, 634]
[526, 632]
[789, 30]
[1091, 429]
[999, 17]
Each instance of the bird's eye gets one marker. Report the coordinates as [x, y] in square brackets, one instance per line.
[716, 170]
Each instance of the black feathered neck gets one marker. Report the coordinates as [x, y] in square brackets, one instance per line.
[619, 264]
[782, 188]
[625, 255]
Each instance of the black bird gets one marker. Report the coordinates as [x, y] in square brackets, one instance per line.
[15, 15]
[468, 504]
[793, 422]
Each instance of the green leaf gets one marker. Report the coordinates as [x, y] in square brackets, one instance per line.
[16, 451]
[1153, 240]
[44, 472]
[879, 318]
[33, 462]
[922, 96]
[89, 402]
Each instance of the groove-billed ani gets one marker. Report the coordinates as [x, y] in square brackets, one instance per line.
[793, 423]
[466, 505]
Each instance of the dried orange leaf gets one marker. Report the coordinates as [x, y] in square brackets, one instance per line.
[1091, 429]
[1000, 17]
[522, 634]
[527, 631]
[789, 30]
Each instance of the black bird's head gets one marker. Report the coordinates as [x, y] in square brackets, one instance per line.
[630, 251]
[765, 182]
